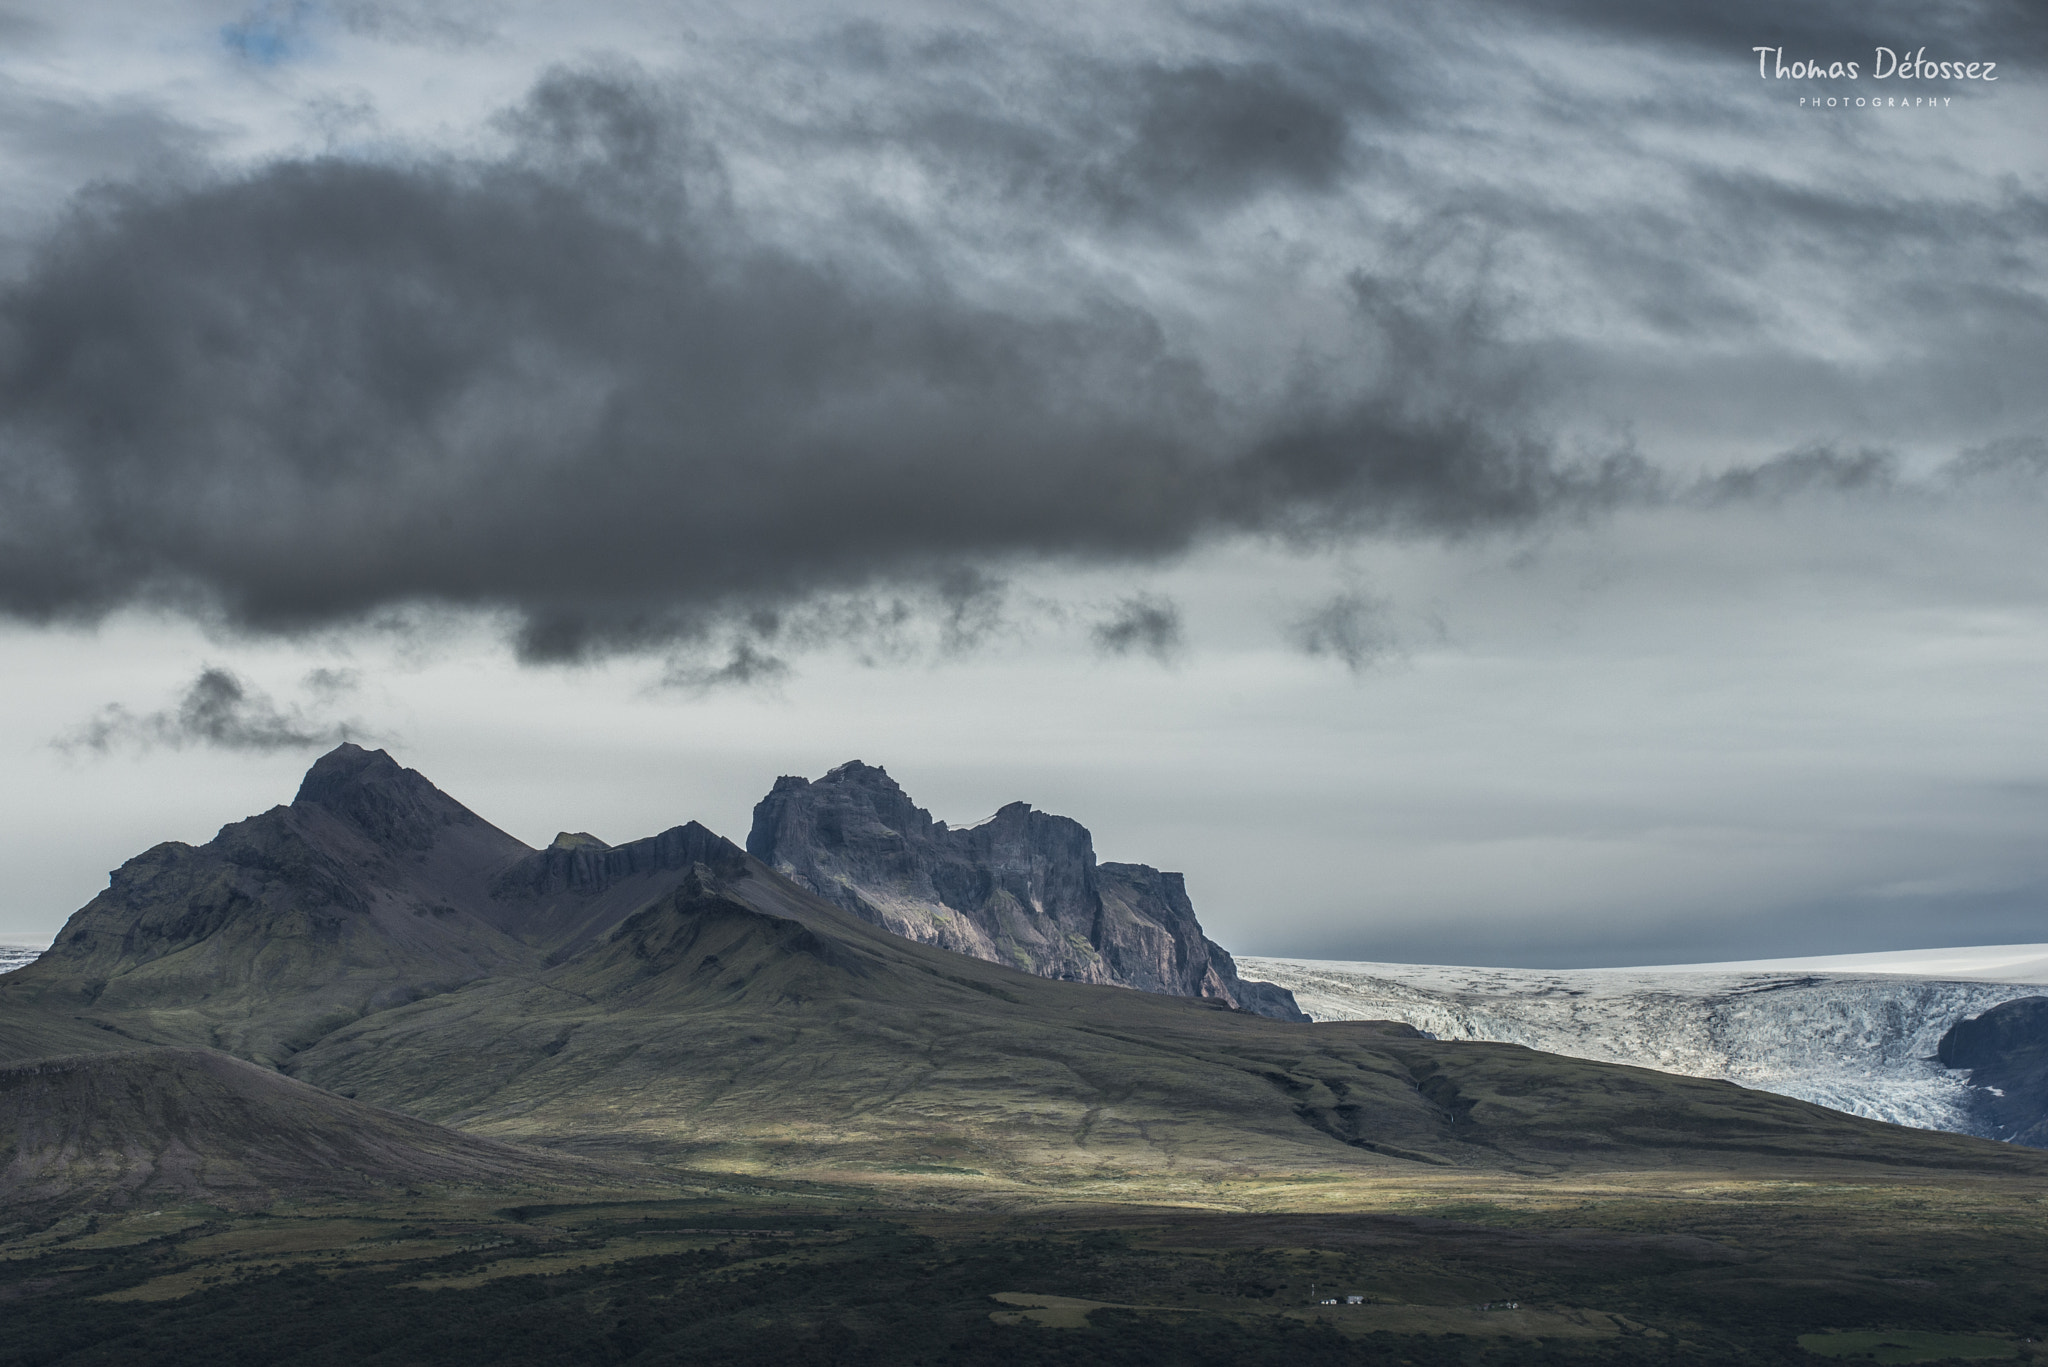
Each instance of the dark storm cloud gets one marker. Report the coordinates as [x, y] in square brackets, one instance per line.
[610, 387]
[217, 710]
[573, 386]
[1145, 622]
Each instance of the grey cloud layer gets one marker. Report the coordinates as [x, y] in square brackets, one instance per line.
[609, 386]
[569, 385]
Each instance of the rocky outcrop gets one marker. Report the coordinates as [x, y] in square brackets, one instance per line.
[562, 897]
[2005, 1050]
[1022, 888]
[374, 889]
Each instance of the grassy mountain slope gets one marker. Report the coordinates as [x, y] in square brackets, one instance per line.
[676, 999]
[742, 1022]
[178, 1125]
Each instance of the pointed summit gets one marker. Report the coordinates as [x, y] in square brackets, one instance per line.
[370, 889]
[394, 806]
[344, 763]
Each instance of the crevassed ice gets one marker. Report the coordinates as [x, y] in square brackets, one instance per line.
[1858, 1042]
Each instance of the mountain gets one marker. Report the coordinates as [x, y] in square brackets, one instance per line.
[740, 1022]
[374, 888]
[1859, 1041]
[370, 889]
[1022, 888]
[171, 1125]
[2005, 1050]
[677, 1000]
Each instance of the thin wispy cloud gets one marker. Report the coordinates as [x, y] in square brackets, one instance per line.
[1145, 623]
[218, 710]
[1355, 629]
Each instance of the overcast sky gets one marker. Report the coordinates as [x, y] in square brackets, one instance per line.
[1477, 482]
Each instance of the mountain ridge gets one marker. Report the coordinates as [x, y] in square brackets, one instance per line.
[1022, 887]
[678, 1001]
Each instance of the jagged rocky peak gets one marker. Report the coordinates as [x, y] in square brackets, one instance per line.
[1021, 888]
[853, 785]
[370, 790]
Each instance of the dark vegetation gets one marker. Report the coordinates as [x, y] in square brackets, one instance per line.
[710, 1281]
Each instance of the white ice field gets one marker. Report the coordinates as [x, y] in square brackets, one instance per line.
[1853, 1031]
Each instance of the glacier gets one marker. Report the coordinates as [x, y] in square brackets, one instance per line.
[1854, 1032]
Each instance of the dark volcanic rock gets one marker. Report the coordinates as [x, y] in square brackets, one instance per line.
[1021, 888]
[2006, 1051]
[562, 897]
[375, 890]
[394, 807]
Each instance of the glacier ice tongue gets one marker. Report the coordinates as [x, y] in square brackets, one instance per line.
[1861, 1042]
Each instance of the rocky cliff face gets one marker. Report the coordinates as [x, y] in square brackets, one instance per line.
[561, 897]
[2005, 1050]
[1021, 888]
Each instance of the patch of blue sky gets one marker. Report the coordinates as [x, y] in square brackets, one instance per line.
[271, 33]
